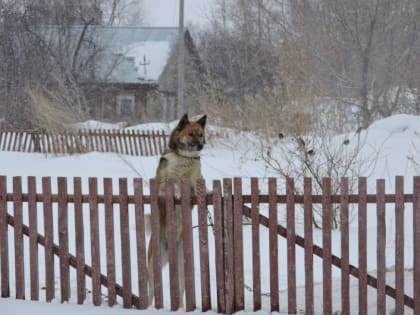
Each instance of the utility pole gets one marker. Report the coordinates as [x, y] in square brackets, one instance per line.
[181, 62]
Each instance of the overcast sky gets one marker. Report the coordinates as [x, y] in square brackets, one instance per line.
[165, 12]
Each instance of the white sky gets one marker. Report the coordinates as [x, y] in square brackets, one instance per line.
[165, 12]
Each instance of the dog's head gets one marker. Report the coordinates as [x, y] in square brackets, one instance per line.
[188, 138]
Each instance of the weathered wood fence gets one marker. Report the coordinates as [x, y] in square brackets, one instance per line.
[84, 229]
[131, 142]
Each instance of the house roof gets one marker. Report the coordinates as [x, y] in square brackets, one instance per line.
[125, 54]
[134, 54]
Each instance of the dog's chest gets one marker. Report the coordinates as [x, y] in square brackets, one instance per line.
[182, 168]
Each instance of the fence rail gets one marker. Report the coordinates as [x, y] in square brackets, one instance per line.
[69, 224]
[131, 142]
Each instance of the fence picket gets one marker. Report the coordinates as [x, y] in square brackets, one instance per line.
[155, 244]
[125, 243]
[219, 246]
[172, 245]
[63, 239]
[326, 246]
[238, 245]
[399, 244]
[33, 233]
[344, 221]
[110, 241]
[362, 246]
[80, 241]
[141, 243]
[291, 246]
[256, 260]
[309, 260]
[228, 246]
[204, 245]
[187, 238]
[4, 240]
[19, 253]
[274, 261]
[94, 240]
[381, 240]
[416, 243]
[49, 238]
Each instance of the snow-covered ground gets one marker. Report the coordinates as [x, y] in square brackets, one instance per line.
[230, 153]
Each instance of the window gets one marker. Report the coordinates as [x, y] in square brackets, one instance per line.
[125, 105]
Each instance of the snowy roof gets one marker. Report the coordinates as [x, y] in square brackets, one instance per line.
[135, 54]
[126, 54]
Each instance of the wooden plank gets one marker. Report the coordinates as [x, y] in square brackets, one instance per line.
[309, 260]
[149, 142]
[135, 143]
[94, 241]
[326, 246]
[344, 221]
[362, 247]
[80, 240]
[187, 239]
[291, 246]
[4, 240]
[139, 142]
[110, 241]
[399, 244]
[19, 250]
[380, 246]
[33, 233]
[256, 260]
[273, 244]
[204, 245]
[155, 243]
[155, 147]
[126, 143]
[238, 245]
[141, 243]
[219, 248]
[63, 239]
[416, 242]
[49, 232]
[125, 243]
[228, 246]
[172, 245]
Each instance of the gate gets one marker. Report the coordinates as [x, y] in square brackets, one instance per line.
[98, 234]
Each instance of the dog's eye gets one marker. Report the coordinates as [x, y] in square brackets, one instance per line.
[191, 134]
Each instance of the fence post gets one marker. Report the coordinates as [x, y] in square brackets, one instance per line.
[228, 246]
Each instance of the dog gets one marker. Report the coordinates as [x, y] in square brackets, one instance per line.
[179, 162]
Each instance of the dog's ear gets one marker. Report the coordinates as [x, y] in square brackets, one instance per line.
[182, 122]
[202, 121]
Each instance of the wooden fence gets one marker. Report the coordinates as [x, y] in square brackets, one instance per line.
[131, 142]
[84, 229]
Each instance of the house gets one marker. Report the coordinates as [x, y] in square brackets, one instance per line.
[134, 77]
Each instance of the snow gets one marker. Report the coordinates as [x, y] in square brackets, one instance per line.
[230, 153]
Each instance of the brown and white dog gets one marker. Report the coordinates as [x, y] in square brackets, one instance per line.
[181, 161]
